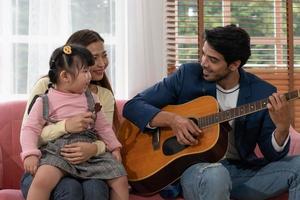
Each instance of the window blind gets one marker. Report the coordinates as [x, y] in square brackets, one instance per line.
[272, 25]
[181, 32]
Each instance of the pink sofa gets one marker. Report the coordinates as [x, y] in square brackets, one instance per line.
[11, 169]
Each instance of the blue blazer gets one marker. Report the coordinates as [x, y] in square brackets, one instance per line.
[187, 83]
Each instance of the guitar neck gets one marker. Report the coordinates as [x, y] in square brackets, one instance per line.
[240, 111]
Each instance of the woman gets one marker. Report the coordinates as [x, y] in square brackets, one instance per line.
[69, 188]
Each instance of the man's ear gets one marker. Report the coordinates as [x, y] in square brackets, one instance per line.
[234, 65]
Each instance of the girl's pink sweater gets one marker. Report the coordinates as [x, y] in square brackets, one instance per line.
[61, 106]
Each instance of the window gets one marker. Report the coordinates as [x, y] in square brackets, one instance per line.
[272, 24]
[31, 29]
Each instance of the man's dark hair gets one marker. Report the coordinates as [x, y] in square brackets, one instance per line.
[231, 41]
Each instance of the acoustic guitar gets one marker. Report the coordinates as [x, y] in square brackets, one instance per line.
[154, 160]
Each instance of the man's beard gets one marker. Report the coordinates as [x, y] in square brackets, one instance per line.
[219, 78]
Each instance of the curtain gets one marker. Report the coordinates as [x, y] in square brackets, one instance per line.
[145, 44]
[49, 27]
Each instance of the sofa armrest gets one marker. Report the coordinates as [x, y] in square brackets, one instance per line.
[1, 169]
[295, 142]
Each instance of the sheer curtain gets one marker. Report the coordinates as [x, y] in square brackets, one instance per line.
[145, 44]
[50, 24]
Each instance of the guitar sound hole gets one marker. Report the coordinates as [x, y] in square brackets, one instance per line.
[171, 146]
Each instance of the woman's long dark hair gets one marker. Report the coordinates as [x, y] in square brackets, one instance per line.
[86, 37]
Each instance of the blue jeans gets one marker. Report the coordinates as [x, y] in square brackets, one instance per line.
[220, 181]
[72, 189]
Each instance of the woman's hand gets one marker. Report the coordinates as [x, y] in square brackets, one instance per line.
[31, 164]
[79, 122]
[78, 152]
[117, 154]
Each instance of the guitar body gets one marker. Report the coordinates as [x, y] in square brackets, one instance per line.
[150, 170]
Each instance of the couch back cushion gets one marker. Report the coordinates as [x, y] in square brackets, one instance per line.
[120, 105]
[11, 114]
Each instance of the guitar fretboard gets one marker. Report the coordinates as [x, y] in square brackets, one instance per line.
[240, 111]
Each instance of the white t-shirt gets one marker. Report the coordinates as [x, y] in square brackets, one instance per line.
[228, 99]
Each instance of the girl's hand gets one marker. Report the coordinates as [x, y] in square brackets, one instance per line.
[78, 152]
[31, 164]
[117, 154]
[79, 122]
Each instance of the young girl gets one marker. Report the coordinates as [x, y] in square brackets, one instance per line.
[69, 72]
[79, 152]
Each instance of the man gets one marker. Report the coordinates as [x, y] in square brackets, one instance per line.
[240, 175]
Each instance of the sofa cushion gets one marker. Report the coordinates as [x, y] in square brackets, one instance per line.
[9, 194]
[120, 105]
[11, 114]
